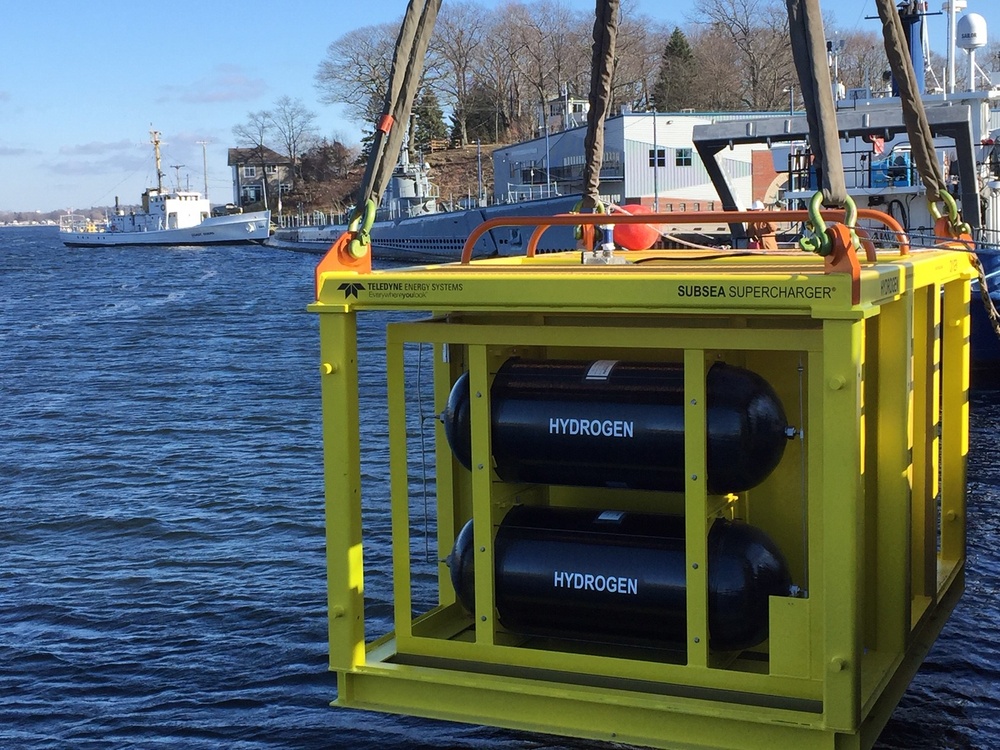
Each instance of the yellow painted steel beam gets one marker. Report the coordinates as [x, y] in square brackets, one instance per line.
[342, 486]
[582, 711]
[888, 495]
[441, 647]
[399, 490]
[926, 442]
[696, 522]
[841, 566]
[482, 503]
[954, 418]
[614, 334]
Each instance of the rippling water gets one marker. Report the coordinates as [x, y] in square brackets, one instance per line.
[162, 570]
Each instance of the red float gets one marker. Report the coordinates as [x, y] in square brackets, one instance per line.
[636, 236]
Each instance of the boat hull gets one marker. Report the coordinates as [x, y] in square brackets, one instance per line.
[985, 342]
[216, 230]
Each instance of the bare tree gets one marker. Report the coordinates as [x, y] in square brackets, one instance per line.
[457, 47]
[991, 56]
[253, 135]
[717, 80]
[862, 62]
[567, 44]
[328, 159]
[638, 52]
[293, 124]
[501, 46]
[757, 30]
[356, 69]
[555, 49]
[508, 55]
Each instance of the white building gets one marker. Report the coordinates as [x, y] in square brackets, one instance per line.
[649, 158]
[565, 112]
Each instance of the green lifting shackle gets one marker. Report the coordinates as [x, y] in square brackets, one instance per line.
[958, 227]
[361, 225]
[817, 240]
[599, 208]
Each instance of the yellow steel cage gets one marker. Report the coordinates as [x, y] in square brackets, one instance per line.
[867, 503]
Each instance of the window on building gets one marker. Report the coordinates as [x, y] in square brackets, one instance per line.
[658, 157]
[249, 171]
[684, 157]
[271, 169]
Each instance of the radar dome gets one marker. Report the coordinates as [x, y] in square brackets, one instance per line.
[971, 31]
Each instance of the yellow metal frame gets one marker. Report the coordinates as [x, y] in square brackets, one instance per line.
[868, 502]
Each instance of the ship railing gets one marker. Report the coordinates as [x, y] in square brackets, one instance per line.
[519, 193]
[309, 219]
[863, 168]
[988, 239]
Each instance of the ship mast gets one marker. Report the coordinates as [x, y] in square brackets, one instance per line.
[154, 138]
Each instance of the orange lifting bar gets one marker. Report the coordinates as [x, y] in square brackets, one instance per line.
[681, 217]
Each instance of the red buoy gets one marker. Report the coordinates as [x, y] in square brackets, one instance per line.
[636, 236]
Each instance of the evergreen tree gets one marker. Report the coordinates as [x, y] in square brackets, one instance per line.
[672, 91]
[430, 125]
[485, 120]
[327, 160]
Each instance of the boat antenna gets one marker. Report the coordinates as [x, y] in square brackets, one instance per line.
[204, 164]
[154, 138]
[177, 174]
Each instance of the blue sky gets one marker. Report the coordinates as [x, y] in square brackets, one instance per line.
[82, 83]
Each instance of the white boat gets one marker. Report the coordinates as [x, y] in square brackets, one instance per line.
[167, 217]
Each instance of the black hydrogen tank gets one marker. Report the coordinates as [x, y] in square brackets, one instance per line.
[609, 423]
[621, 577]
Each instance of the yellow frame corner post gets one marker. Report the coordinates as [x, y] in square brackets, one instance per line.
[889, 479]
[954, 420]
[926, 447]
[842, 522]
[342, 461]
